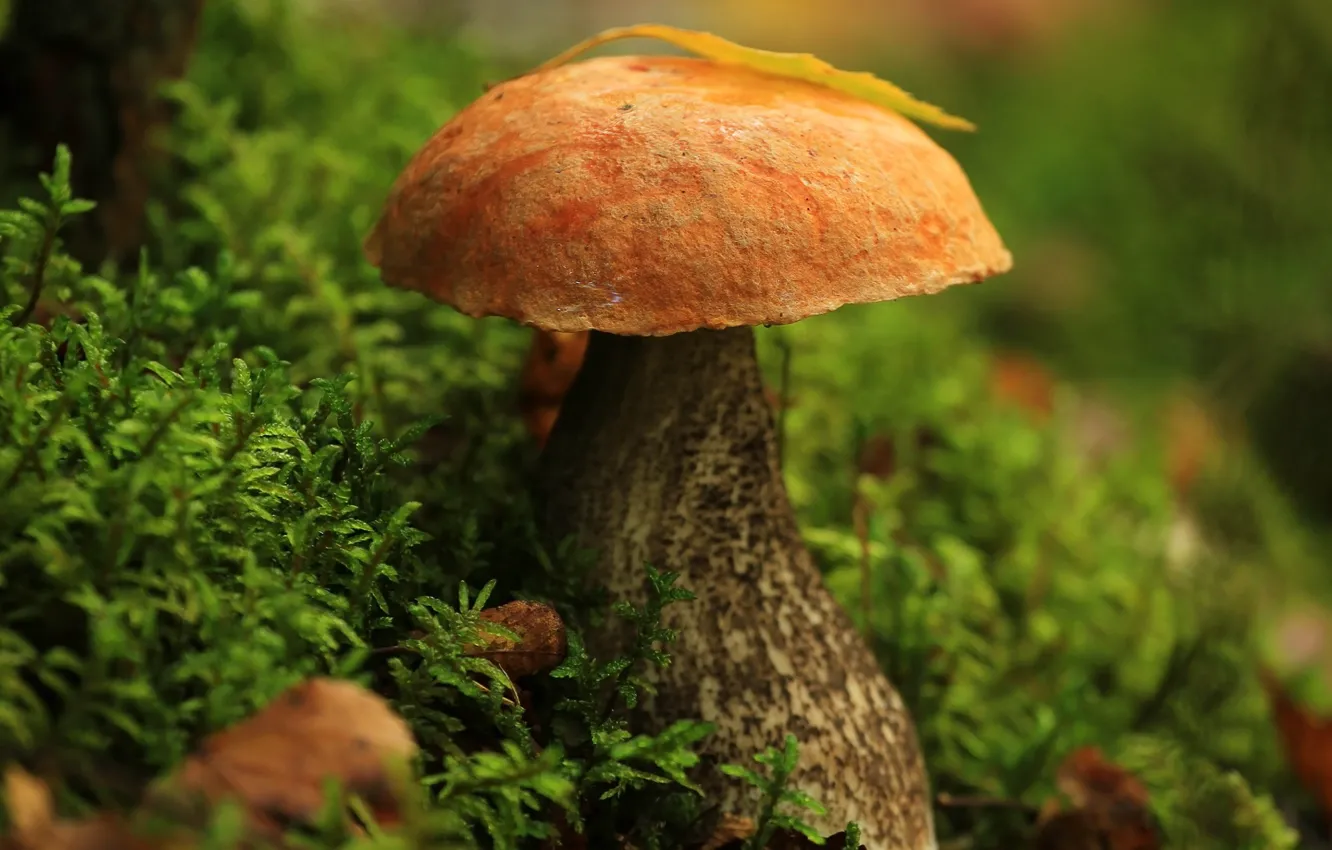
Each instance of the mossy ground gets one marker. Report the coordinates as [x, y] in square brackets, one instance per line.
[247, 461]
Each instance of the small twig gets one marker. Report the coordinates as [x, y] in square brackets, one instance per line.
[39, 271]
[171, 417]
[392, 650]
[30, 452]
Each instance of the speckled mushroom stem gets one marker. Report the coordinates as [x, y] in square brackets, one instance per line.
[665, 452]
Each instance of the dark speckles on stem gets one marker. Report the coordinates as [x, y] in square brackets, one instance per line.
[665, 453]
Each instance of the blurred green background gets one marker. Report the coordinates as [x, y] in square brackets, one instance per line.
[1159, 169]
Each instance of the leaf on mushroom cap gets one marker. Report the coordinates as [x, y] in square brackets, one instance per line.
[651, 195]
[798, 66]
[276, 762]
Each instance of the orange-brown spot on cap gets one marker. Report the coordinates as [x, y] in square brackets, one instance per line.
[723, 197]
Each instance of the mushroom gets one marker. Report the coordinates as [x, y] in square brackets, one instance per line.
[668, 205]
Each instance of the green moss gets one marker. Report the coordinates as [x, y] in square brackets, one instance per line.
[1024, 599]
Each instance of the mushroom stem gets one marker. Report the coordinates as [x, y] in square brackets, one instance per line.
[665, 452]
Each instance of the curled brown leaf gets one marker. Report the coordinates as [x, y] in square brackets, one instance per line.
[1110, 807]
[729, 831]
[541, 643]
[276, 762]
[34, 825]
[1306, 738]
[552, 364]
[1023, 382]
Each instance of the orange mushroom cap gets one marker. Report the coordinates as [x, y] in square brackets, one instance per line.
[651, 195]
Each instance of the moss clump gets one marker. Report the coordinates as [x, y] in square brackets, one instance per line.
[246, 461]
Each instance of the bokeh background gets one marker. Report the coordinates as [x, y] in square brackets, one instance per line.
[1159, 169]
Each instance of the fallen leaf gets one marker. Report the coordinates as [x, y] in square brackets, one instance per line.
[1090, 781]
[729, 830]
[1192, 441]
[552, 363]
[800, 66]
[541, 642]
[275, 763]
[878, 453]
[1111, 809]
[1071, 830]
[1023, 382]
[1306, 739]
[35, 825]
[878, 457]
[28, 801]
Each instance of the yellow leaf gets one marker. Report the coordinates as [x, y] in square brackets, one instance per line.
[800, 66]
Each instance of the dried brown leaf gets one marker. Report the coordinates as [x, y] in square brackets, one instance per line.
[552, 363]
[1193, 440]
[276, 762]
[1306, 738]
[1023, 382]
[541, 643]
[35, 826]
[1070, 830]
[731, 829]
[878, 457]
[1092, 782]
[31, 809]
[1111, 808]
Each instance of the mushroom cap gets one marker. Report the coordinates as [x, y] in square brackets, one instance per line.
[650, 195]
